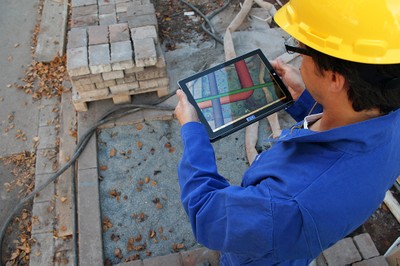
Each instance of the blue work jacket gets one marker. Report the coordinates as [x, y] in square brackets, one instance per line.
[309, 190]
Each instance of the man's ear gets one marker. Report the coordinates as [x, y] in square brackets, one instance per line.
[338, 81]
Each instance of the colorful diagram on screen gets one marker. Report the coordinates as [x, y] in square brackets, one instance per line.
[232, 92]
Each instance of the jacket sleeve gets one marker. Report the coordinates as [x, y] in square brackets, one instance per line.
[235, 219]
[222, 216]
[302, 107]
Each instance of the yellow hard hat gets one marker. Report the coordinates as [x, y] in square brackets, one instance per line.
[364, 31]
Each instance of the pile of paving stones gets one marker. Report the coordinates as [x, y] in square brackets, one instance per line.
[113, 51]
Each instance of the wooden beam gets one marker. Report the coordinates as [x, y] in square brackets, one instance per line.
[393, 205]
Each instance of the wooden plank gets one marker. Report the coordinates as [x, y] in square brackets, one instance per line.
[393, 205]
[52, 33]
[64, 207]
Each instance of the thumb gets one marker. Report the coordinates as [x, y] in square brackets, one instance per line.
[181, 95]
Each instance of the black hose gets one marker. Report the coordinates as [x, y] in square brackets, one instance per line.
[207, 19]
[109, 116]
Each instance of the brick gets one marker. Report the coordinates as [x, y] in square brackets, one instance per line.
[144, 32]
[342, 253]
[43, 217]
[42, 252]
[107, 19]
[79, 105]
[89, 219]
[85, 21]
[153, 83]
[122, 99]
[77, 38]
[151, 73]
[145, 52]
[121, 55]
[95, 94]
[99, 58]
[77, 63]
[98, 35]
[130, 78]
[88, 87]
[107, 9]
[140, 10]
[81, 11]
[81, 80]
[105, 84]
[377, 261]
[133, 70]
[113, 75]
[122, 7]
[366, 246]
[160, 57]
[96, 78]
[122, 17]
[144, 20]
[75, 3]
[121, 88]
[119, 32]
[200, 256]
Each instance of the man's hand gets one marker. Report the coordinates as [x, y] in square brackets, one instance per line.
[291, 77]
[184, 110]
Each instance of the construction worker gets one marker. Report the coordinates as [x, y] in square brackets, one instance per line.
[327, 174]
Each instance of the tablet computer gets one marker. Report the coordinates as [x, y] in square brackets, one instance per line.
[235, 94]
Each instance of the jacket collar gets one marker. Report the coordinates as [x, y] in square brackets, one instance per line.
[358, 137]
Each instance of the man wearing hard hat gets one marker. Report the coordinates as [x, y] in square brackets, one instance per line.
[327, 174]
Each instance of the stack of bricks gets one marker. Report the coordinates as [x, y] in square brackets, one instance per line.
[113, 51]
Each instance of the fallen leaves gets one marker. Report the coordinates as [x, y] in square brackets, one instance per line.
[176, 247]
[44, 79]
[22, 245]
[115, 194]
[23, 171]
[106, 224]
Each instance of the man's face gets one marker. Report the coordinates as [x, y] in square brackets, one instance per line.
[314, 80]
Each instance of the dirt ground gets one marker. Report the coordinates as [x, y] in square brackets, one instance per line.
[176, 26]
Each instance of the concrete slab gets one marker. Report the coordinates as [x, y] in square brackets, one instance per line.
[18, 19]
[53, 26]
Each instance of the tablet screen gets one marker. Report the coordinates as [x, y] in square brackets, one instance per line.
[236, 93]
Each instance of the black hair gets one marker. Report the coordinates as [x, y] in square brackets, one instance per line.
[369, 85]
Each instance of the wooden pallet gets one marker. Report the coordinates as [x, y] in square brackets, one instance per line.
[81, 105]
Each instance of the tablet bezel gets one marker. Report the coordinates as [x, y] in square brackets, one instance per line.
[244, 121]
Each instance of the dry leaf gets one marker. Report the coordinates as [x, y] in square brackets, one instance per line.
[103, 167]
[63, 199]
[139, 144]
[152, 234]
[118, 253]
[154, 183]
[139, 126]
[147, 179]
[113, 152]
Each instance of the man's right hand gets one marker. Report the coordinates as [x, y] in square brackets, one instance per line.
[184, 110]
[291, 77]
